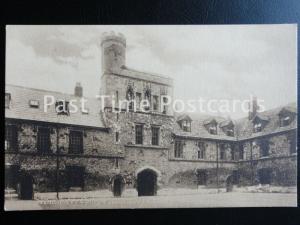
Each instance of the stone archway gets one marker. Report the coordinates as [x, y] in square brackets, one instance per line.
[147, 180]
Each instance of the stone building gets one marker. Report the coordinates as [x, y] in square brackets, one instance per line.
[110, 145]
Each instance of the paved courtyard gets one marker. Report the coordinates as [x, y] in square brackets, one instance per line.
[232, 199]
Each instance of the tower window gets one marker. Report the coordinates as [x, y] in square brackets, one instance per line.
[155, 135]
[117, 97]
[130, 98]
[148, 99]
[139, 134]
[117, 137]
[43, 140]
[165, 108]
[138, 100]
[155, 103]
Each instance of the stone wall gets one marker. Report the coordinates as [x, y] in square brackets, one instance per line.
[98, 158]
[112, 83]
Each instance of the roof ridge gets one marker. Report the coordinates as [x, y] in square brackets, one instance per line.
[45, 90]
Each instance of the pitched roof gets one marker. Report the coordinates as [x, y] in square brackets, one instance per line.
[226, 123]
[198, 129]
[20, 109]
[244, 126]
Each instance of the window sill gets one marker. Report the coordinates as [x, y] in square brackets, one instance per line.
[264, 157]
[145, 146]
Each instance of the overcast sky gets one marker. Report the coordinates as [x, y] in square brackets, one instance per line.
[221, 62]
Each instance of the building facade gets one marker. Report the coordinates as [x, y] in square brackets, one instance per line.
[112, 145]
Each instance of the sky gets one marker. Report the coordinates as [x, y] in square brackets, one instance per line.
[205, 61]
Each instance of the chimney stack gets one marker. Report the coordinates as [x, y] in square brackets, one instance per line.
[253, 108]
[78, 90]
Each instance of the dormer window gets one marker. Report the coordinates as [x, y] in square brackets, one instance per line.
[286, 116]
[7, 100]
[186, 125]
[257, 127]
[230, 132]
[285, 121]
[34, 103]
[62, 107]
[213, 129]
[211, 126]
[227, 127]
[259, 122]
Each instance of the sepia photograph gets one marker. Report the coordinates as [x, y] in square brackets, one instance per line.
[150, 116]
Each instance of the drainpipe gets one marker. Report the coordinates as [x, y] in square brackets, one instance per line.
[251, 163]
[217, 145]
[57, 164]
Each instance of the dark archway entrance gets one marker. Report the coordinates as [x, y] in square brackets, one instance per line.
[11, 176]
[146, 183]
[118, 185]
[229, 183]
[201, 177]
[265, 176]
[26, 187]
[75, 177]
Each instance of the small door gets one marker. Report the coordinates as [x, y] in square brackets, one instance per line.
[265, 176]
[11, 176]
[75, 176]
[26, 187]
[201, 177]
[118, 186]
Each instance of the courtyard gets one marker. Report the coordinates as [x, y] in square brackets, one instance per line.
[183, 200]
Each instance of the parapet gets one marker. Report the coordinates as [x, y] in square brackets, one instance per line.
[112, 36]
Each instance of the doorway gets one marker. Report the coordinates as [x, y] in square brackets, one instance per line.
[265, 176]
[201, 177]
[26, 187]
[118, 185]
[75, 176]
[147, 183]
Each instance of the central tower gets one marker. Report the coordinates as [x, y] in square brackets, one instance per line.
[113, 51]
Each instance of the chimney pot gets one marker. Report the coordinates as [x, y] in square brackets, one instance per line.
[78, 90]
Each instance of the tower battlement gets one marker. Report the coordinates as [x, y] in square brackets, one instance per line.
[112, 36]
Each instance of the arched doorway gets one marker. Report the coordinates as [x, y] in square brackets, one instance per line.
[201, 177]
[118, 185]
[147, 183]
[229, 183]
[26, 187]
[265, 176]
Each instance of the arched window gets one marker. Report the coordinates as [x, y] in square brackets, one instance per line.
[130, 98]
[148, 99]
